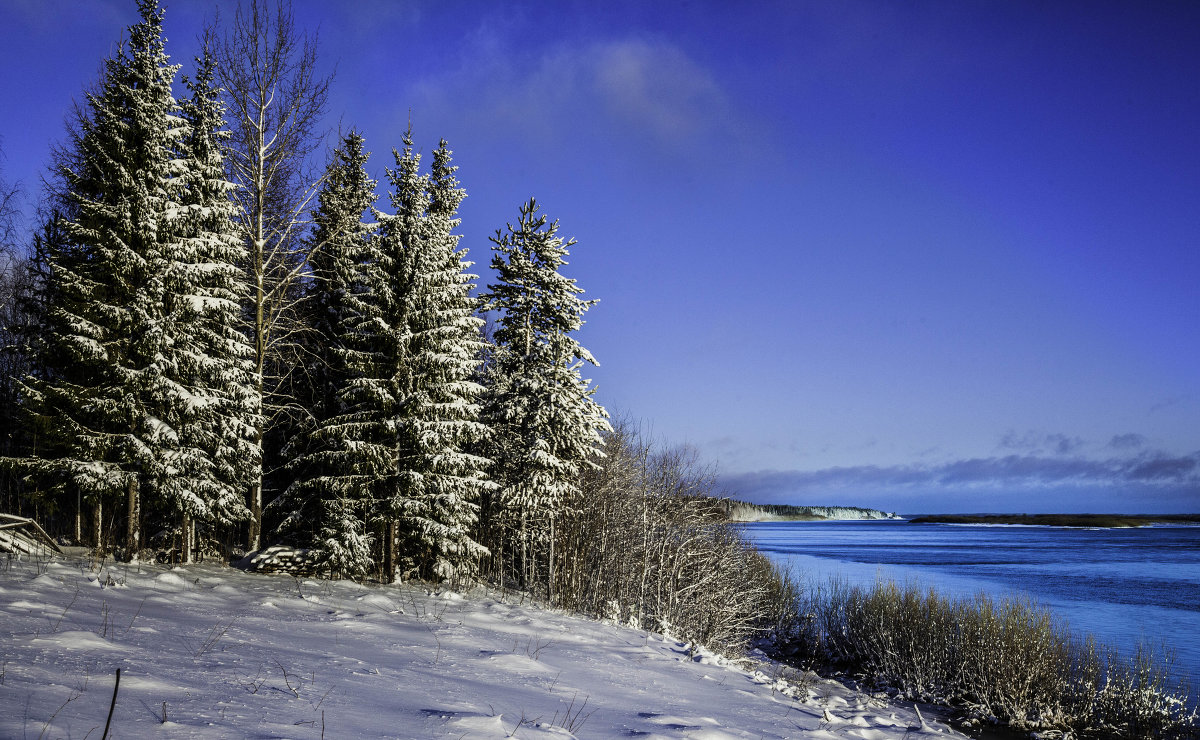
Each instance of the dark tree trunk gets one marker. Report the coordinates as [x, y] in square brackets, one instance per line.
[186, 543]
[133, 532]
[389, 551]
[98, 524]
[254, 540]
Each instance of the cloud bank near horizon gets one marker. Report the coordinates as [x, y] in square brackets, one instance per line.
[1150, 481]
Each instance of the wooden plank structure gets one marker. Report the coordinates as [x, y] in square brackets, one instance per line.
[22, 535]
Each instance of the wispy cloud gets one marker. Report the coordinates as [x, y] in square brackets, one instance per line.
[1131, 441]
[658, 89]
[1040, 443]
[1155, 469]
[1167, 403]
[625, 91]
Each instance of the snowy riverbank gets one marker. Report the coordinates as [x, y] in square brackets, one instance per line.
[741, 511]
[221, 653]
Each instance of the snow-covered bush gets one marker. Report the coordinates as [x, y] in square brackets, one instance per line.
[282, 559]
[1132, 696]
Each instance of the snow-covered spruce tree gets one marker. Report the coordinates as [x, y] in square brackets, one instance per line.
[46, 440]
[209, 391]
[408, 411]
[110, 279]
[328, 506]
[546, 424]
[442, 412]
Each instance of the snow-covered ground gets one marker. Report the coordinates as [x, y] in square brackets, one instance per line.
[218, 653]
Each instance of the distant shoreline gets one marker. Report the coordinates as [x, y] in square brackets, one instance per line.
[1105, 521]
[745, 512]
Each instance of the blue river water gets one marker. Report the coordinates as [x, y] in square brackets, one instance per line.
[1125, 586]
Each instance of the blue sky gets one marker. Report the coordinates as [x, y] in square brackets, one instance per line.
[932, 256]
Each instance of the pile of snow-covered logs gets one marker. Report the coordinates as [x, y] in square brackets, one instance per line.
[281, 559]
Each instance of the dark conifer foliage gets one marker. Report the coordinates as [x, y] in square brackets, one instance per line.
[328, 505]
[16, 287]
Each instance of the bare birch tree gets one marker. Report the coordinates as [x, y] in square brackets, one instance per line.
[275, 102]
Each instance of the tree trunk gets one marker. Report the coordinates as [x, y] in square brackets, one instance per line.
[523, 570]
[254, 538]
[389, 551]
[78, 518]
[98, 523]
[550, 567]
[133, 530]
[254, 541]
[498, 563]
[186, 543]
[254, 494]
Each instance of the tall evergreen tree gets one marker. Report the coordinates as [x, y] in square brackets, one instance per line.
[211, 403]
[546, 424]
[375, 401]
[408, 411]
[443, 413]
[145, 380]
[110, 279]
[329, 505]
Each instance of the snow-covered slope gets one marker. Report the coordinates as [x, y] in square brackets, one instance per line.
[218, 653]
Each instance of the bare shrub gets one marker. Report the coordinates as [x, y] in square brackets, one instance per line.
[1015, 661]
[647, 544]
[1006, 659]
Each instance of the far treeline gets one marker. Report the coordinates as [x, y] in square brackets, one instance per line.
[744, 511]
[1061, 520]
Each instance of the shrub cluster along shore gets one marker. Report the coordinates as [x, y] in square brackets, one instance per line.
[1004, 660]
